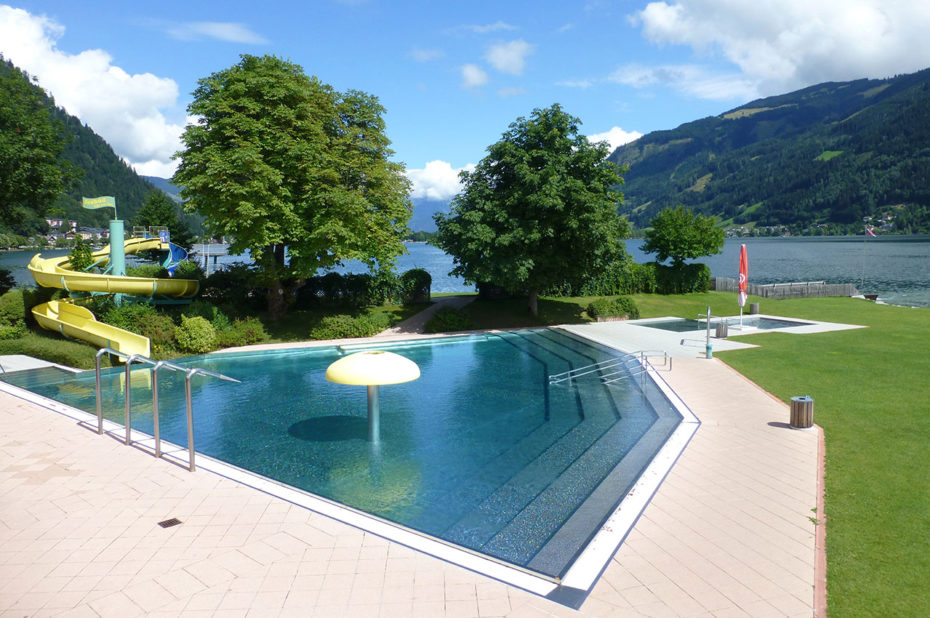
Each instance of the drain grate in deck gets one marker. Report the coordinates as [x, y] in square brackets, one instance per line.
[174, 521]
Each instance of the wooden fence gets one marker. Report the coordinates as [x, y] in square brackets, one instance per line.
[787, 290]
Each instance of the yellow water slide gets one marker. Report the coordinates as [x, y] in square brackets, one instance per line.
[79, 323]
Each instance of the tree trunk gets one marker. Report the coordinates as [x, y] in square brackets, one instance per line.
[277, 295]
[534, 303]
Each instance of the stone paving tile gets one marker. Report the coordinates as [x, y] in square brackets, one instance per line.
[726, 534]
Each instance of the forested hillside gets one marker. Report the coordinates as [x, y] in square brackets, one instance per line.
[100, 170]
[818, 160]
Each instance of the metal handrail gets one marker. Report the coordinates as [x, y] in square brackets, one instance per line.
[556, 378]
[156, 365]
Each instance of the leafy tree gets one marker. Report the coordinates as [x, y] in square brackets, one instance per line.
[157, 210]
[679, 234]
[81, 256]
[538, 210]
[279, 159]
[32, 173]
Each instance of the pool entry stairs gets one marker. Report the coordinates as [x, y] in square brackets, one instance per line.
[574, 458]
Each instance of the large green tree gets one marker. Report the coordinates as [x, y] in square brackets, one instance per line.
[540, 209]
[32, 173]
[293, 171]
[680, 234]
[160, 210]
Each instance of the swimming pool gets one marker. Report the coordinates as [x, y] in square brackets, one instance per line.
[757, 322]
[481, 451]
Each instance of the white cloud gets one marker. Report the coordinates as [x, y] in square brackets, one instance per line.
[425, 55]
[615, 137]
[691, 79]
[780, 45]
[222, 31]
[484, 29]
[437, 181]
[575, 83]
[514, 91]
[473, 76]
[123, 109]
[509, 57]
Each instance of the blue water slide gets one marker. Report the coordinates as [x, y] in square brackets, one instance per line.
[176, 254]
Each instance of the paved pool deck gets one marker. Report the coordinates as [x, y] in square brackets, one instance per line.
[730, 532]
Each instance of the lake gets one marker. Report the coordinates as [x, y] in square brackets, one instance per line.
[897, 268]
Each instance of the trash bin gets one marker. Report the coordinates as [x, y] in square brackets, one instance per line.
[721, 330]
[753, 308]
[802, 412]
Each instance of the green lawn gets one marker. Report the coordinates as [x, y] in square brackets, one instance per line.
[871, 389]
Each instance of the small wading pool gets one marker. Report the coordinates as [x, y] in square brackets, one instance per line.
[755, 322]
[481, 451]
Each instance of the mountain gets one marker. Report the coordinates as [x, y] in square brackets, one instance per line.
[165, 186]
[423, 211]
[821, 158]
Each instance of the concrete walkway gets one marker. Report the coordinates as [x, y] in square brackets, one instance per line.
[415, 324]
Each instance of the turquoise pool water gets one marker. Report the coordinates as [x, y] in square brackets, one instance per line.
[480, 451]
[686, 325]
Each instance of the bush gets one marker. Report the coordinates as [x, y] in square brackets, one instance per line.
[207, 311]
[248, 331]
[51, 347]
[235, 285]
[81, 256]
[347, 327]
[620, 277]
[13, 307]
[415, 286]
[12, 331]
[682, 280]
[187, 269]
[145, 320]
[149, 271]
[195, 335]
[618, 306]
[7, 282]
[448, 319]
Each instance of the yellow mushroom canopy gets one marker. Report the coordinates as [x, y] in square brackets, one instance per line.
[373, 367]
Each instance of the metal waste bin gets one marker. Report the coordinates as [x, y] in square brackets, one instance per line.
[722, 330]
[802, 412]
[753, 308]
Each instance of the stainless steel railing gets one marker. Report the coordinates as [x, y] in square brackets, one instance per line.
[156, 365]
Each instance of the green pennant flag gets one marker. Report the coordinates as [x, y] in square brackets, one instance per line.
[100, 202]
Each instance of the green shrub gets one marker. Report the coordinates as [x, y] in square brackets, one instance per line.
[207, 311]
[247, 331]
[235, 285]
[51, 347]
[682, 280]
[448, 319]
[127, 316]
[187, 269]
[13, 307]
[148, 271]
[12, 331]
[81, 256]
[347, 327]
[7, 282]
[415, 285]
[195, 335]
[609, 307]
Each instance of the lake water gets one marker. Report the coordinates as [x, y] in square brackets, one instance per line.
[897, 268]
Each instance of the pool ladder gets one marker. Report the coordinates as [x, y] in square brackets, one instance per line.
[156, 365]
[617, 368]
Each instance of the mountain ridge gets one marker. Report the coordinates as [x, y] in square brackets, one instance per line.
[823, 158]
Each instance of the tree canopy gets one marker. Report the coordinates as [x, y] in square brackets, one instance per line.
[32, 173]
[279, 159]
[680, 234]
[540, 209]
[160, 210]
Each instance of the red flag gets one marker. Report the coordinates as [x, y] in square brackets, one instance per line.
[743, 275]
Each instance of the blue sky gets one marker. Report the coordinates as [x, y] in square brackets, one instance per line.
[453, 75]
